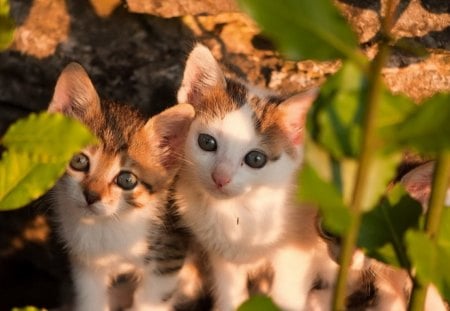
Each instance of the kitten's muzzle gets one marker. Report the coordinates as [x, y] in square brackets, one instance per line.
[91, 196]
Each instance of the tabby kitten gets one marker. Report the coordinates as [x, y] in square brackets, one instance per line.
[235, 188]
[110, 203]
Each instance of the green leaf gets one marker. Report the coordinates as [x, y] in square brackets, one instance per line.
[257, 303]
[337, 113]
[28, 308]
[313, 189]
[443, 236]
[38, 149]
[336, 119]
[47, 134]
[6, 25]
[425, 129]
[429, 261]
[341, 173]
[383, 228]
[305, 29]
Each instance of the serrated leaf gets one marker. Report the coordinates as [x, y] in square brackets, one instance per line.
[23, 179]
[47, 134]
[313, 189]
[38, 149]
[425, 129]
[305, 29]
[6, 26]
[258, 303]
[383, 228]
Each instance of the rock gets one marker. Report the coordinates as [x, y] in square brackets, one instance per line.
[173, 8]
[46, 25]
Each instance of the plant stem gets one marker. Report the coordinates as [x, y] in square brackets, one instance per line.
[365, 160]
[433, 219]
[361, 185]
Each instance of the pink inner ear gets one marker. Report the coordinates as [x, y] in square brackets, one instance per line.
[171, 145]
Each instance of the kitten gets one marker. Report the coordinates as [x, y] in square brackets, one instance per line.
[235, 188]
[110, 203]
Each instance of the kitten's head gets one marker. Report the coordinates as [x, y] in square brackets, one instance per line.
[240, 139]
[135, 159]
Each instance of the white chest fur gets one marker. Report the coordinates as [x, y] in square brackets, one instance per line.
[240, 229]
[107, 243]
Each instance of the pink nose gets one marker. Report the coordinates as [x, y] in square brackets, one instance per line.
[220, 179]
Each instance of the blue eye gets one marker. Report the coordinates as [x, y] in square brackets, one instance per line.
[255, 159]
[126, 180]
[80, 162]
[207, 142]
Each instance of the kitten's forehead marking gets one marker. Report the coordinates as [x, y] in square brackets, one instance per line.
[238, 124]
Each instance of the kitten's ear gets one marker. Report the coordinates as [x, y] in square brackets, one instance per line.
[417, 182]
[74, 93]
[202, 71]
[293, 113]
[169, 129]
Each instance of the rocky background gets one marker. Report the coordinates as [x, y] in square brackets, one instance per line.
[135, 50]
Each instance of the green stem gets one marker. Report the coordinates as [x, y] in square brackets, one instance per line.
[362, 178]
[433, 219]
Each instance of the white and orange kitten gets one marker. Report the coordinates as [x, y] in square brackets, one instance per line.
[111, 202]
[235, 188]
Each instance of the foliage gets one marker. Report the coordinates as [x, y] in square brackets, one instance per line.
[305, 29]
[6, 25]
[258, 303]
[28, 308]
[357, 133]
[38, 149]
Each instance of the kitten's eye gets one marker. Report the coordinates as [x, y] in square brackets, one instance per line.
[80, 162]
[126, 180]
[207, 142]
[255, 159]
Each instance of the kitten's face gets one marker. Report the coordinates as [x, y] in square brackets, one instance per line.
[229, 157]
[135, 160]
[240, 139]
[101, 183]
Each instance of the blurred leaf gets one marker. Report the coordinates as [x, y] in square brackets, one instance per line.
[6, 25]
[381, 173]
[444, 229]
[47, 134]
[28, 308]
[336, 118]
[383, 228]
[341, 173]
[411, 47]
[426, 128]
[258, 303]
[429, 261]
[38, 149]
[305, 29]
[337, 113]
[313, 189]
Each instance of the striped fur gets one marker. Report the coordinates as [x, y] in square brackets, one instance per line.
[109, 229]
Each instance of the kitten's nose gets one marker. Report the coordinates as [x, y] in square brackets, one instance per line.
[220, 179]
[91, 196]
